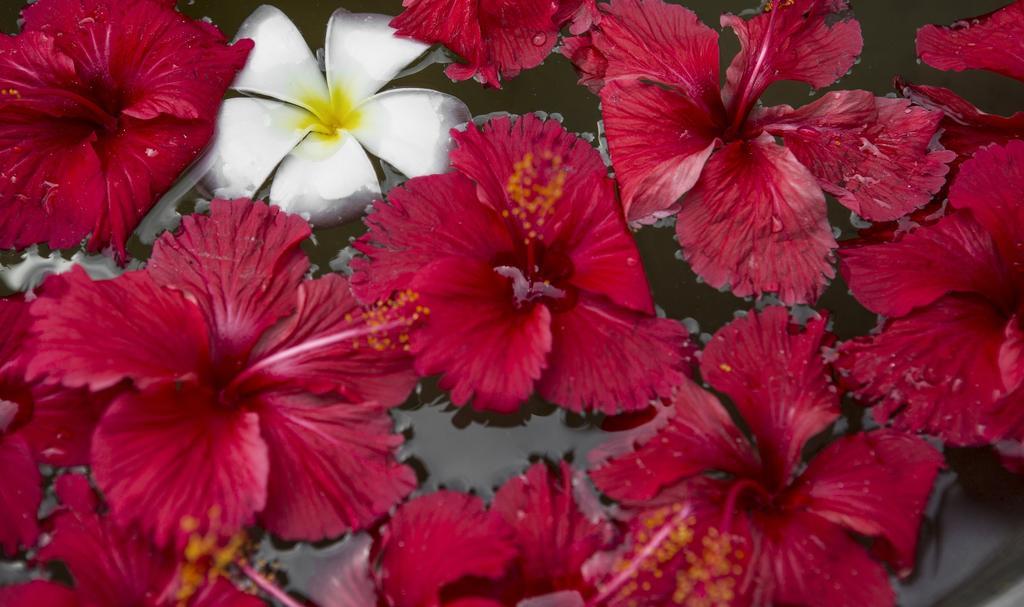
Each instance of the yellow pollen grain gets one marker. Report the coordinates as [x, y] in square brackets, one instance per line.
[770, 5]
[532, 197]
[725, 367]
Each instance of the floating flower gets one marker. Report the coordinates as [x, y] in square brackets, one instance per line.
[256, 391]
[754, 215]
[496, 40]
[532, 542]
[721, 520]
[530, 275]
[103, 103]
[949, 355]
[992, 42]
[316, 131]
[112, 567]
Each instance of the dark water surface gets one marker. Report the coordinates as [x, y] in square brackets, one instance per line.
[972, 545]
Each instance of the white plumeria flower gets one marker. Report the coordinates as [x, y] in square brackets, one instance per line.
[316, 130]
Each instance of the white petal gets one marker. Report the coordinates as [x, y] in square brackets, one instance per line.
[326, 179]
[281, 65]
[410, 128]
[253, 135]
[363, 53]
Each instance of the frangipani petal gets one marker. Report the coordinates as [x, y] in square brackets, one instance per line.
[281, 66]
[363, 53]
[410, 128]
[253, 135]
[326, 179]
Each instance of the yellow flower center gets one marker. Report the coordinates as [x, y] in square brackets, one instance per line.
[331, 117]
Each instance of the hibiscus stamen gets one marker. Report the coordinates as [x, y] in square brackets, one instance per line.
[206, 556]
[534, 187]
[744, 102]
[267, 586]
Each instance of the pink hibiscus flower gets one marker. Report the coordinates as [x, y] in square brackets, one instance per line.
[754, 213]
[496, 39]
[949, 355]
[112, 567]
[448, 548]
[993, 42]
[116, 98]
[530, 275]
[721, 520]
[254, 391]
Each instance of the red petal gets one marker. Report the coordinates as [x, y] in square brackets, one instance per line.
[965, 128]
[811, 41]
[775, 375]
[20, 494]
[63, 420]
[223, 593]
[332, 466]
[298, 351]
[935, 370]
[581, 15]
[415, 226]
[488, 350]
[589, 62]
[554, 536]
[872, 153]
[438, 539]
[756, 221]
[991, 185]
[815, 563]
[607, 358]
[699, 436]
[74, 491]
[876, 484]
[346, 580]
[659, 140]
[666, 43]
[242, 264]
[38, 593]
[989, 42]
[136, 330]
[172, 453]
[953, 255]
[494, 36]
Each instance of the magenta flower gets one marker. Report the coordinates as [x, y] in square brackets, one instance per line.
[530, 275]
[721, 520]
[753, 216]
[253, 391]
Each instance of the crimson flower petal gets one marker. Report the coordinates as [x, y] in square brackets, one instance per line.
[876, 484]
[397, 247]
[954, 255]
[756, 221]
[776, 377]
[608, 358]
[136, 330]
[438, 539]
[655, 40]
[20, 494]
[63, 420]
[989, 42]
[811, 41]
[172, 453]
[38, 593]
[288, 354]
[965, 128]
[581, 15]
[332, 466]
[815, 563]
[699, 436]
[555, 537]
[489, 351]
[872, 153]
[991, 185]
[495, 37]
[659, 140]
[935, 370]
[241, 264]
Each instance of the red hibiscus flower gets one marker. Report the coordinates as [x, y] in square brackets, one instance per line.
[992, 42]
[112, 567]
[495, 38]
[720, 520]
[530, 275]
[951, 351]
[447, 548]
[754, 213]
[102, 104]
[254, 390]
